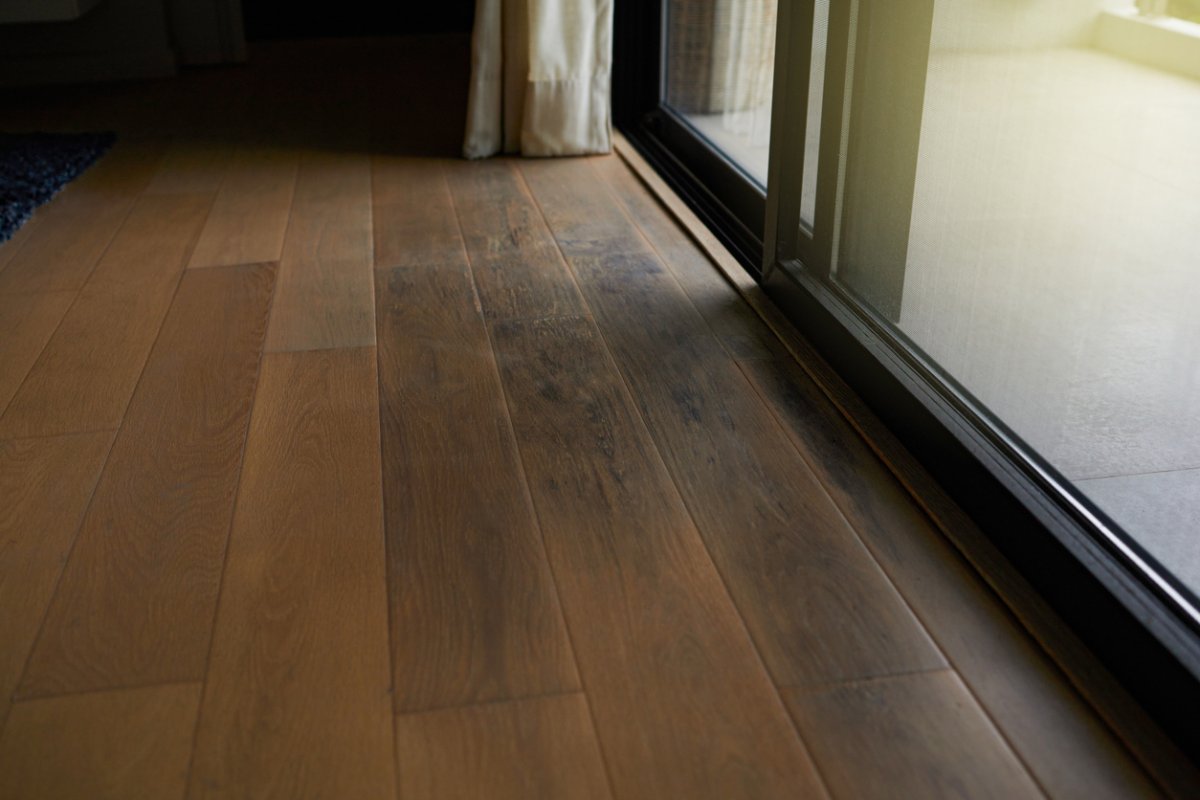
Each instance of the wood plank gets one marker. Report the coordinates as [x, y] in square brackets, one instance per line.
[26, 323]
[539, 747]
[297, 701]
[718, 301]
[192, 166]
[820, 609]
[75, 228]
[1066, 745]
[475, 616]
[110, 745]
[250, 214]
[45, 486]
[88, 370]
[9, 248]
[414, 220]
[920, 735]
[516, 262]
[325, 296]
[136, 600]
[682, 703]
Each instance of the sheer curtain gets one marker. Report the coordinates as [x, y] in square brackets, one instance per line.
[540, 77]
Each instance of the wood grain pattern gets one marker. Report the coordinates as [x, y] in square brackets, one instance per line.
[324, 296]
[26, 323]
[516, 262]
[541, 747]
[297, 702]
[45, 486]
[1066, 746]
[820, 608]
[250, 214]
[413, 214]
[683, 706]
[920, 735]
[108, 746]
[475, 615]
[727, 314]
[136, 600]
[88, 370]
[74, 229]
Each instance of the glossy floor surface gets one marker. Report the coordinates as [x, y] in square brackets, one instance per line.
[334, 466]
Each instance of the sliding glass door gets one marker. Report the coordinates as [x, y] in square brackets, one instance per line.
[985, 216]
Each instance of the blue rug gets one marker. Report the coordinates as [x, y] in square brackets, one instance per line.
[34, 166]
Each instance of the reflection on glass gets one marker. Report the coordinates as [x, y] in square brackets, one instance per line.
[719, 71]
[812, 128]
[1044, 246]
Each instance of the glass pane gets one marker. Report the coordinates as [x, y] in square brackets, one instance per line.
[719, 73]
[1022, 199]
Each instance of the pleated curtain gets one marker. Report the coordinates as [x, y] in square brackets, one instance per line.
[540, 78]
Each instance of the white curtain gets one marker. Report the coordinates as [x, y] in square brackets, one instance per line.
[540, 76]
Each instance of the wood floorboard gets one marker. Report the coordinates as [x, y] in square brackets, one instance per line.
[324, 297]
[414, 221]
[1066, 746]
[192, 166]
[742, 332]
[540, 747]
[919, 735]
[83, 379]
[297, 701]
[475, 616]
[26, 323]
[102, 746]
[136, 600]
[71, 232]
[682, 703]
[820, 608]
[9, 248]
[250, 214]
[45, 486]
[514, 257]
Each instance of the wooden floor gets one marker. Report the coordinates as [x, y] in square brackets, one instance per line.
[334, 466]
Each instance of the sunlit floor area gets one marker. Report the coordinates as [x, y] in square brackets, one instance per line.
[1054, 270]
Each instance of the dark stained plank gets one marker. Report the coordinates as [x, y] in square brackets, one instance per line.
[541, 747]
[26, 323]
[297, 700]
[106, 745]
[413, 215]
[250, 214]
[820, 609]
[919, 735]
[516, 262]
[71, 232]
[1065, 744]
[682, 703]
[475, 616]
[88, 370]
[324, 294]
[718, 301]
[45, 485]
[136, 600]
